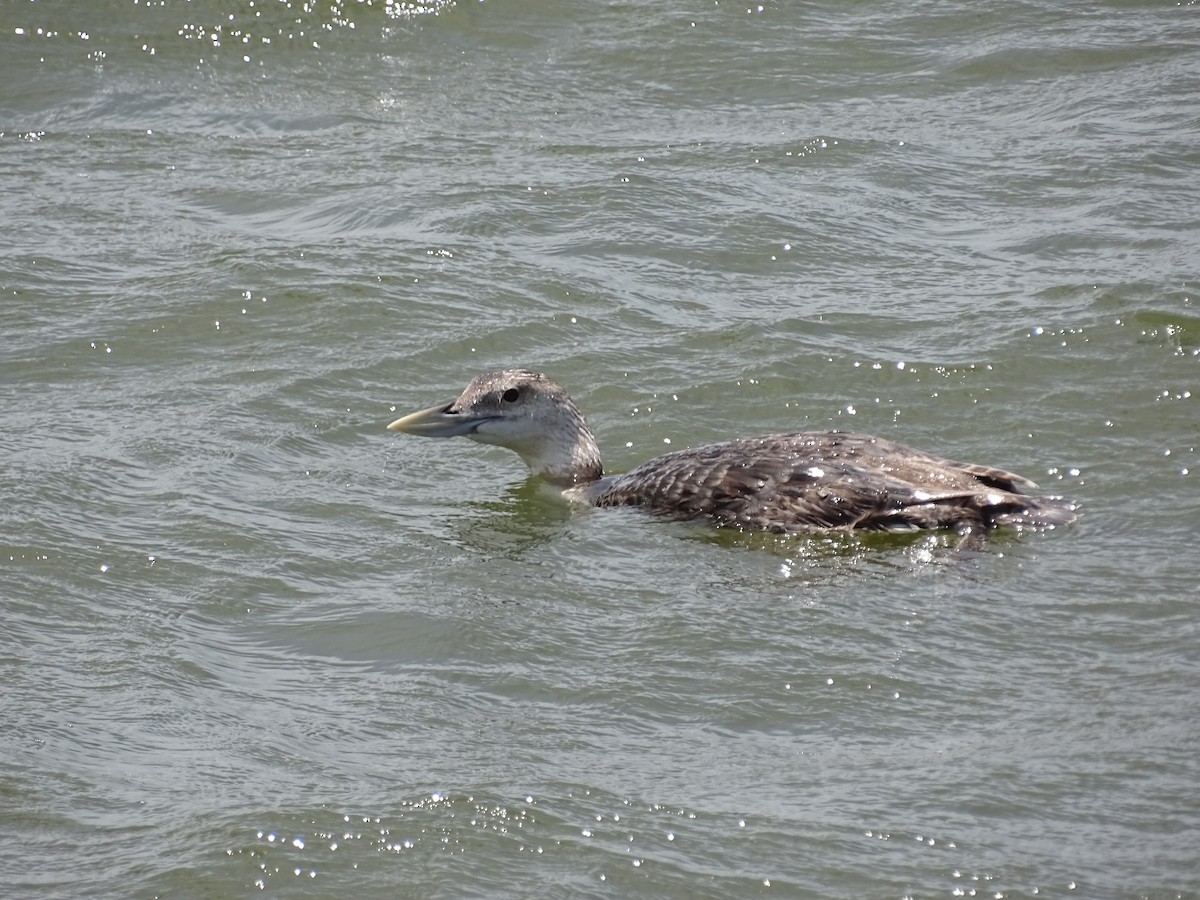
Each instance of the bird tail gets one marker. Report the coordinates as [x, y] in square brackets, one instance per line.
[1036, 512]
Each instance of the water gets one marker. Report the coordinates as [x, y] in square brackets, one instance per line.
[253, 642]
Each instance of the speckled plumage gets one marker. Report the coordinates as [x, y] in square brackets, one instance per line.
[781, 483]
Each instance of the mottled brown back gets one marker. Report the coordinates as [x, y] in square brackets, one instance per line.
[806, 482]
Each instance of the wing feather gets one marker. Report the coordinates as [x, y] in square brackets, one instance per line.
[806, 482]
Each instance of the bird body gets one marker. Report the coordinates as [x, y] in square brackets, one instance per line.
[782, 483]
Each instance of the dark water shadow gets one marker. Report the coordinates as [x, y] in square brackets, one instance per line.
[528, 515]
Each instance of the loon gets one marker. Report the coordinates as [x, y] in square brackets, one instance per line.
[781, 483]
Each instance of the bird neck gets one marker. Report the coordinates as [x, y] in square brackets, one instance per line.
[567, 456]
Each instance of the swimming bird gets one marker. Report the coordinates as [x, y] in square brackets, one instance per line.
[782, 483]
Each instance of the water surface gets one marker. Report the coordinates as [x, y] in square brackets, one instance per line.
[253, 642]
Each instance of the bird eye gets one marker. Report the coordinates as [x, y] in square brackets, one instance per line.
[511, 395]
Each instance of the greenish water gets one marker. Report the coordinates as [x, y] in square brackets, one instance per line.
[252, 642]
